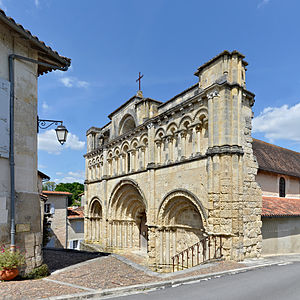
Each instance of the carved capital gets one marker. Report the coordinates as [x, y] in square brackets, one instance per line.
[183, 133]
[158, 142]
[150, 125]
[169, 138]
[212, 94]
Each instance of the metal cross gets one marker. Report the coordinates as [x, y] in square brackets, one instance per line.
[139, 80]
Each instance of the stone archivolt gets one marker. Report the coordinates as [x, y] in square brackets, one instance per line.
[160, 176]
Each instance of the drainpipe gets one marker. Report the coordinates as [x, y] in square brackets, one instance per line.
[11, 136]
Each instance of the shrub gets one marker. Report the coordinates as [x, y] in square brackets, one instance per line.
[39, 272]
[10, 259]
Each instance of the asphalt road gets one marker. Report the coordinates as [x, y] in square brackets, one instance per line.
[275, 282]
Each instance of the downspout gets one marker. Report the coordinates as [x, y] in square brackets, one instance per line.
[11, 137]
[67, 237]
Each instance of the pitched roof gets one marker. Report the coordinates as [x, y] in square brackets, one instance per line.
[276, 159]
[45, 52]
[43, 175]
[277, 206]
[56, 193]
[75, 213]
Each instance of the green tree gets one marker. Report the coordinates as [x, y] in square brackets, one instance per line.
[49, 186]
[75, 188]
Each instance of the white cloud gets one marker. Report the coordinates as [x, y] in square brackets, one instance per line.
[263, 3]
[45, 106]
[279, 123]
[41, 167]
[37, 3]
[69, 81]
[78, 176]
[47, 141]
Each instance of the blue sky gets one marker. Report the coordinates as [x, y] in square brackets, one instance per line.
[109, 42]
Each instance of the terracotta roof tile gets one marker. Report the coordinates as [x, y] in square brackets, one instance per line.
[276, 159]
[277, 206]
[56, 193]
[75, 213]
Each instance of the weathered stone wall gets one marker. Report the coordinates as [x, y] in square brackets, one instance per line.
[190, 169]
[28, 228]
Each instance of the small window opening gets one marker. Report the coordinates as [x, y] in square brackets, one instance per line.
[128, 162]
[281, 187]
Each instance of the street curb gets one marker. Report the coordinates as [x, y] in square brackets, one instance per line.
[157, 285]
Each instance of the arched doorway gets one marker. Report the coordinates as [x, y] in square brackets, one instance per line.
[95, 221]
[127, 217]
[181, 216]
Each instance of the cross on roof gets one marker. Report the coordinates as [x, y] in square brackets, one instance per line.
[139, 80]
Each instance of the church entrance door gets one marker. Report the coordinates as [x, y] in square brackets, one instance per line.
[143, 233]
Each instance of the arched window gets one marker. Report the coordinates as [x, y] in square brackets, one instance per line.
[127, 124]
[281, 187]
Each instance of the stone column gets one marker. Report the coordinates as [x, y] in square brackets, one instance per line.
[105, 163]
[194, 140]
[151, 145]
[158, 151]
[183, 144]
[199, 139]
[175, 147]
[170, 148]
[123, 163]
[142, 156]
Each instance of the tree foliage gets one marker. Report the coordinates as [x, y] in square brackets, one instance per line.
[49, 186]
[75, 188]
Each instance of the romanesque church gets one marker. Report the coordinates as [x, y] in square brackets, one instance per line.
[161, 177]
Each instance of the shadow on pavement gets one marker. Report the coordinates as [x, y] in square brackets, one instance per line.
[57, 259]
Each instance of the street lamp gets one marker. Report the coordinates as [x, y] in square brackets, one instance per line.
[61, 130]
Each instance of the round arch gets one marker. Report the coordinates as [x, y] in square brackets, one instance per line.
[127, 216]
[94, 220]
[127, 124]
[119, 192]
[184, 198]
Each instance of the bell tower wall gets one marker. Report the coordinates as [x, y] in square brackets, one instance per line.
[233, 194]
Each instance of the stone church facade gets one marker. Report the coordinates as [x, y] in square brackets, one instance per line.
[160, 176]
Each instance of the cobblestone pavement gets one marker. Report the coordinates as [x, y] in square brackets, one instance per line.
[101, 273]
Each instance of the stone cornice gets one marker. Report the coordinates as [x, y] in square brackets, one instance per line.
[225, 149]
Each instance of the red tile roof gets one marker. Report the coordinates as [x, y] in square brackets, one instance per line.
[56, 193]
[277, 206]
[44, 50]
[75, 213]
[276, 159]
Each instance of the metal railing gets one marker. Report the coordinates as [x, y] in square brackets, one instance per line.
[209, 247]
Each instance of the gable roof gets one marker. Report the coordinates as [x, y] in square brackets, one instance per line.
[45, 53]
[276, 159]
[280, 207]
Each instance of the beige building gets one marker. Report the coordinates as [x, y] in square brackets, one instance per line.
[161, 177]
[75, 227]
[279, 179]
[23, 57]
[57, 208]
